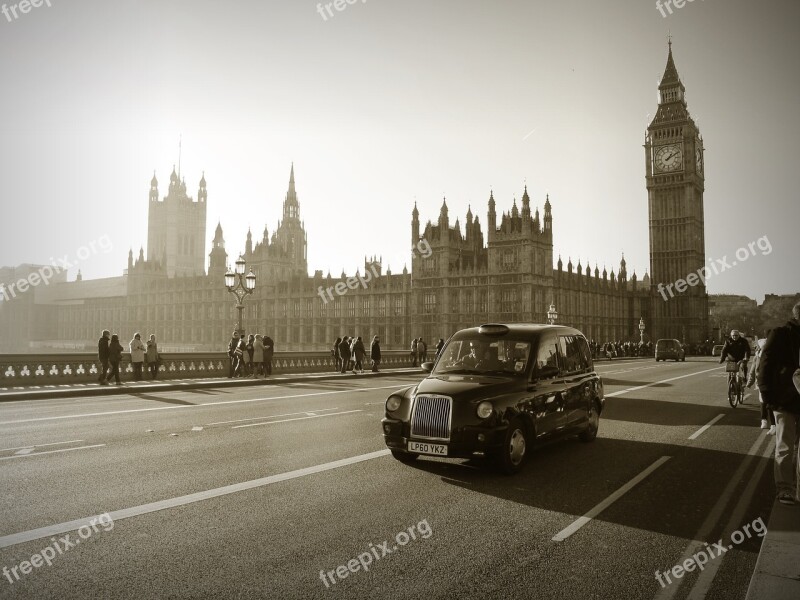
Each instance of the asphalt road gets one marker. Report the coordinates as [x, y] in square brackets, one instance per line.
[260, 492]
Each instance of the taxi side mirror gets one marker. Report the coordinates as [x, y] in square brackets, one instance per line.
[427, 367]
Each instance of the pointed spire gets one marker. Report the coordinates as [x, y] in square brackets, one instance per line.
[670, 72]
[154, 181]
[218, 233]
[415, 212]
[203, 180]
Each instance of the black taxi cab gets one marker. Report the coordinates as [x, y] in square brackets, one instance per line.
[496, 391]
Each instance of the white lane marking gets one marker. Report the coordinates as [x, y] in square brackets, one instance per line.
[347, 412]
[710, 522]
[187, 406]
[50, 452]
[269, 417]
[577, 524]
[24, 451]
[703, 583]
[705, 427]
[41, 445]
[641, 387]
[50, 530]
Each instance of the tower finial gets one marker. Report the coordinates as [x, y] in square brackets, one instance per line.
[180, 144]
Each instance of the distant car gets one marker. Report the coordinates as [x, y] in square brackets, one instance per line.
[670, 349]
[717, 350]
[496, 391]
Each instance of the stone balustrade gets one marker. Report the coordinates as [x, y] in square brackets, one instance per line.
[68, 368]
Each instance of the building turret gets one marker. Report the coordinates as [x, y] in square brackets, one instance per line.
[154, 188]
[548, 217]
[218, 258]
[202, 193]
[492, 217]
[414, 225]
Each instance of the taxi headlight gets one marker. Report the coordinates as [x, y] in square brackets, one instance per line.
[485, 410]
[393, 403]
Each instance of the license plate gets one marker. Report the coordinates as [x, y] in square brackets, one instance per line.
[423, 448]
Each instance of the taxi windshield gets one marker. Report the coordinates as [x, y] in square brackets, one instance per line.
[479, 355]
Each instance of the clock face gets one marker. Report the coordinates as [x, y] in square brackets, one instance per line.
[668, 158]
[698, 157]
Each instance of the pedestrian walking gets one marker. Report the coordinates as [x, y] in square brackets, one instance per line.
[375, 353]
[359, 353]
[767, 416]
[422, 349]
[137, 350]
[248, 355]
[439, 346]
[152, 356]
[414, 344]
[114, 358]
[232, 345]
[269, 350]
[344, 352]
[337, 357]
[258, 356]
[102, 355]
[780, 359]
[241, 353]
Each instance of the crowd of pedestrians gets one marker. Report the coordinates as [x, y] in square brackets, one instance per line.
[109, 353]
[250, 356]
[349, 354]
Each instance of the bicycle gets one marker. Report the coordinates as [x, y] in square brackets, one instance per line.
[735, 382]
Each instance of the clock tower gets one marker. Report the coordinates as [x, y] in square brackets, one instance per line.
[674, 163]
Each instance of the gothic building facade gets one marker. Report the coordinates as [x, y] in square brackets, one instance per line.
[466, 276]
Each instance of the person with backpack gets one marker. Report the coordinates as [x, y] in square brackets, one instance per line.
[114, 358]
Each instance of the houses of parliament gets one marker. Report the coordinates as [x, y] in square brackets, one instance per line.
[501, 270]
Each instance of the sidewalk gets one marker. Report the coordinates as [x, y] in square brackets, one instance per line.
[777, 573]
[83, 390]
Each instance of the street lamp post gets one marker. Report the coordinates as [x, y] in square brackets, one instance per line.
[240, 285]
[641, 331]
[552, 314]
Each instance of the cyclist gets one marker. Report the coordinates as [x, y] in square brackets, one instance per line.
[736, 349]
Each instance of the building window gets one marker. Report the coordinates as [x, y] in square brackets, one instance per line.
[429, 303]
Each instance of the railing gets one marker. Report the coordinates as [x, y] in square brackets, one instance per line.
[63, 369]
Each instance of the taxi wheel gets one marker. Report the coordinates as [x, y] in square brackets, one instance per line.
[515, 446]
[590, 433]
[404, 457]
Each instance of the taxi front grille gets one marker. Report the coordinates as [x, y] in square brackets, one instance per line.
[431, 417]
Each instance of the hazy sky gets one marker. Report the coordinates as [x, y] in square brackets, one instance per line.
[386, 102]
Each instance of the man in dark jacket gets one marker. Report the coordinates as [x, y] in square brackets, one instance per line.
[375, 353]
[234, 362]
[102, 355]
[439, 346]
[344, 352]
[779, 360]
[269, 350]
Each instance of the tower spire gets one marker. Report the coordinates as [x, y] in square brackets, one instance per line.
[180, 147]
